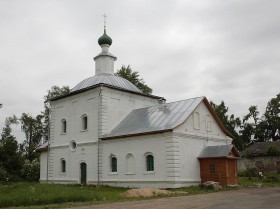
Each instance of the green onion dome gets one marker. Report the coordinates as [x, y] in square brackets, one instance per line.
[105, 39]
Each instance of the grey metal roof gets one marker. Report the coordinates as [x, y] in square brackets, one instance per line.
[218, 151]
[108, 79]
[154, 118]
[42, 147]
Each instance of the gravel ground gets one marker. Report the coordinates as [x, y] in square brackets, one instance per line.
[244, 198]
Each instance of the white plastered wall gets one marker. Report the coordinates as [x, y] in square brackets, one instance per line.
[118, 104]
[137, 146]
[72, 109]
[191, 141]
[43, 166]
[73, 158]
[113, 106]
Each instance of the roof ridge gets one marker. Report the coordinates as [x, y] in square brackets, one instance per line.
[186, 99]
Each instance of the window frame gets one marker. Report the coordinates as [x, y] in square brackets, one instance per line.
[62, 166]
[212, 168]
[150, 162]
[63, 126]
[84, 120]
[196, 120]
[73, 145]
[114, 164]
[208, 120]
[130, 169]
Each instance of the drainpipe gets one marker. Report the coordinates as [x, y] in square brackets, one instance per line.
[99, 134]
[48, 149]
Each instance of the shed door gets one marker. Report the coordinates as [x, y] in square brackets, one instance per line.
[83, 168]
[232, 172]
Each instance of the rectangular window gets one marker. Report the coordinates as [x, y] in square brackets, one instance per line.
[63, 166]
[64, 126]
[212, 168]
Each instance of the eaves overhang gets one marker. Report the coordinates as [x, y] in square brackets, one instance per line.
[105, 85]
[135, 134]
[220, 157]
[214, 114]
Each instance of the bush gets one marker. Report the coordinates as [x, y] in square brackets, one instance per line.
[272, 177]
[250, 172]
[6, 177]
[248, 153]
[31, 170]
[3, 175]
[272, 151]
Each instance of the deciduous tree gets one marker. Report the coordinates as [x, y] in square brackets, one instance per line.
[10, 156]
[133, 77]
[55, 91]
[34, 131]
[230, 122]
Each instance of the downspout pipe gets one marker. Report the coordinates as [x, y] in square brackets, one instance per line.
[48, 147]
[99, 134]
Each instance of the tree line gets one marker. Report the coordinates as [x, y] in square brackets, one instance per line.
[19, 161]
[254, 126]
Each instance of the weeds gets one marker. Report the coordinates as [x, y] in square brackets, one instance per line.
[270, 179]
[28, 194]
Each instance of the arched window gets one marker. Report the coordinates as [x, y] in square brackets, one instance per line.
[208, 123]
[150, 162]
[114, 164]
[63, 126]
[130, 164]
[63, 166]
[196, 120]
[84, 122]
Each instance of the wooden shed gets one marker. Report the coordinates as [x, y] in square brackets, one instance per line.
[219, 163]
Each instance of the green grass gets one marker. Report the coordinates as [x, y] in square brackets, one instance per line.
[270, 179]
[32, 195]
[28, 194]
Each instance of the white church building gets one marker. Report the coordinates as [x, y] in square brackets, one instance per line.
[107, 132]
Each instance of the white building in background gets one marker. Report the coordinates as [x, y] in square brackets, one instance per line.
[106, 131]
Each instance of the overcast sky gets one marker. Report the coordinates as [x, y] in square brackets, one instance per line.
[224, 50]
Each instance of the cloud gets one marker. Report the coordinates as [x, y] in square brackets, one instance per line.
[225, 50]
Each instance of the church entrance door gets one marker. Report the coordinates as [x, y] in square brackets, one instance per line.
[83, 168]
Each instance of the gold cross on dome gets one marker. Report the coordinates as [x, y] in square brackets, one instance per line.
[105, 20]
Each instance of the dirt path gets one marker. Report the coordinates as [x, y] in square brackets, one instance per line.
[245, 198]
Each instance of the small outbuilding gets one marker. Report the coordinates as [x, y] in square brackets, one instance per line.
[219, 163]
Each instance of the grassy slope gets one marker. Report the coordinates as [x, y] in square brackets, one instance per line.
[26, 194]
[56, 196]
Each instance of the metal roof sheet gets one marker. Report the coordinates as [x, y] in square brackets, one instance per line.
[155, 118]
[217, 151]
[42, 147]
[108, 79]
